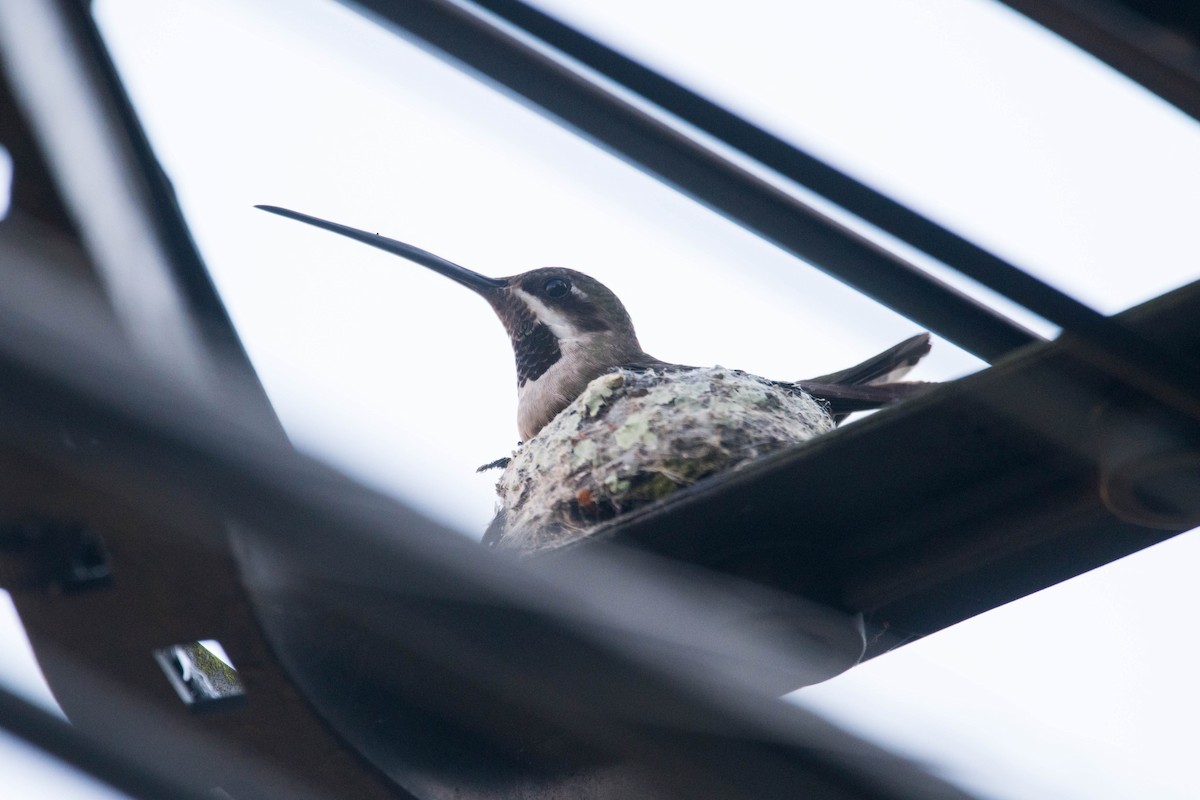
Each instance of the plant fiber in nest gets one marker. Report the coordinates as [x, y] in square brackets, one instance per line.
[634, 437]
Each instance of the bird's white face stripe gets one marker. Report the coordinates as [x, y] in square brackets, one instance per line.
[558, 323]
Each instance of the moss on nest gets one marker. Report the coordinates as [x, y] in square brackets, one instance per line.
[632, 438]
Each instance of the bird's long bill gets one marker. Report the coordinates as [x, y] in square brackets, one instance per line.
[470, 279]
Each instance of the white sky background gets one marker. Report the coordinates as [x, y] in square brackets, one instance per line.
[406, 380]
[5, 180]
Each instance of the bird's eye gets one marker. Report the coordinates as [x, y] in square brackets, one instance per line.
[556, 287]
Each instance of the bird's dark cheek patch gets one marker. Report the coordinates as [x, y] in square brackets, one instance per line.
[535, 346]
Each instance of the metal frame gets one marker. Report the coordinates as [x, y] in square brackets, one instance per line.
[805, 169]
[965, 257]
[57, 737]
[1133, 38]
[573, 100]
[712, 180]
[117, 198]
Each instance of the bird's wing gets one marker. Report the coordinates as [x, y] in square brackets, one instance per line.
[890, 365]
[871, 384]
[646, 361]
[863, 387]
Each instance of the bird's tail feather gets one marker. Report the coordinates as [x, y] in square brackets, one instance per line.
[844, 399]
[872, 383]
[886, 367]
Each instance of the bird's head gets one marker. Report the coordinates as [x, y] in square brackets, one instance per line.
[548, 313]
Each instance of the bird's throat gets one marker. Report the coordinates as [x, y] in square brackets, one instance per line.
[536, 350]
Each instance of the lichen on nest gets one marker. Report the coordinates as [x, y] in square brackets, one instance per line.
[634, 437]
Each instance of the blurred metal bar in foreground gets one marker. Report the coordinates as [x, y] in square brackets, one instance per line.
[116, 195]
[101, 758]
[504, 665]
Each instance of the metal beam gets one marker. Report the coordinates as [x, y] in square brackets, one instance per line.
[1160, 59]
[662, 151]
[482, 46]
[91, 160]
[973, 495]
[116, 194]
[792, 162]
[60, 739]
[874, 207]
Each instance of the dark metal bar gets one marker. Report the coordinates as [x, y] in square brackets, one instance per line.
[807, 170]
[907, 225]
[1158, 58]
[58, 738]
[203, 301]
[116, 193]
[776, 216]
[701, 174]
[73, 122]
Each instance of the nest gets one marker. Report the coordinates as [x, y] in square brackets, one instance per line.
[634, 437]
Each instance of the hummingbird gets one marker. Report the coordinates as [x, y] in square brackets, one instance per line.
[567, 329]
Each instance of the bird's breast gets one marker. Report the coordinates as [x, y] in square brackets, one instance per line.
[540, 399]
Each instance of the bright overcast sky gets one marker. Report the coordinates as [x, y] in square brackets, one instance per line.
[963, 109]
